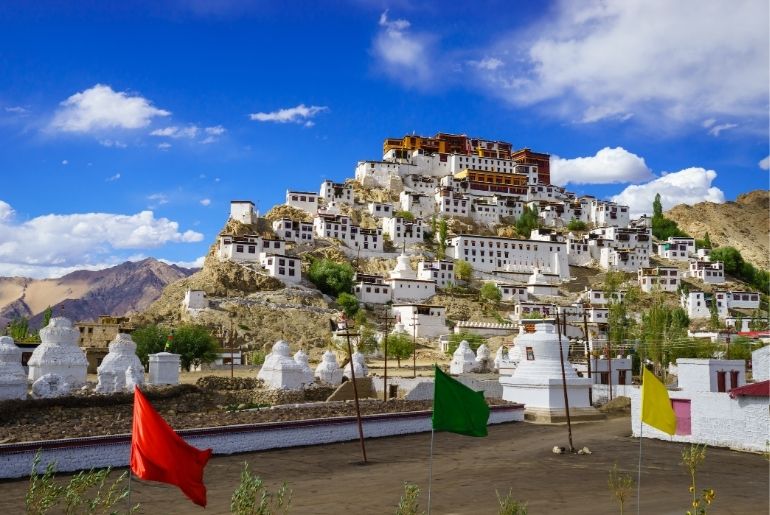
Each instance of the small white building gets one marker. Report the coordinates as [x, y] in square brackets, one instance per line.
[694, 302]
[605, 213]
[419, 204]
[539, 284]
[380, 209]
[337, 192]
[598, 297]
[711, 272]
[402, 231]
[525, 310]
[512, 292]
[450, 204]
[623, 260]
[421, 319]
[282, 267]
[294, 230]
[664, 278]
[342, 228]
[404, 284]
[371, 289]
[440, 271]
[195, 301]
[248, 247]
[304, 200]
[243, 211]
[619, 366]
[742, 300]
[673, 251]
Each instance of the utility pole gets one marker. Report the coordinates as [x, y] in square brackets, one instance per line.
[347, 335]
[564, 379]
[415, 323]
[588, 354]
[386, 319]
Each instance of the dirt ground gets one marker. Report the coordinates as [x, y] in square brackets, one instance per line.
[468, 471]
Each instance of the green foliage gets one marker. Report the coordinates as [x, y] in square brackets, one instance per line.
[463, 270]
[406, 215]
[149, 339]
[409, 503]
[87, 492]
[705, 243]
[490, 293]
[620, 484]
[662, 227]
[737, 267]
[474, 341]
[331, 277]
[664, 333]
[257, 357]
[714, 323]
[527, 222]
[400, 346]
[507, 505]
[367, 340]
[18, 329]
[692, 458]
[348, 303]
[46, 316]
[195, 345]
[443, 236]
[577, 225]
[253, 498]
[739, 348]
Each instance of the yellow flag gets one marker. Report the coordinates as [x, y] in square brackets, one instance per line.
[656, 406]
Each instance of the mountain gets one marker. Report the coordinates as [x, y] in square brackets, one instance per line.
[743, 224]
[85, 294]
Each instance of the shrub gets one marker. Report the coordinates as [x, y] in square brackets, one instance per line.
[331, 277]
[253, 498]
[577, 225]
[409, 503]
[490, 293]
[349, 304]
[406, 215]
[474, 341]
[463, 270]
[510, 506]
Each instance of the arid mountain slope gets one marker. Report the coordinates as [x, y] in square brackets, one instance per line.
[82, 295]
[743, 224]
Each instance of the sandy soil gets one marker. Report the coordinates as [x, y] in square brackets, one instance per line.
[467, 472]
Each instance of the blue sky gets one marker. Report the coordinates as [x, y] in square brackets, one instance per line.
[126, 130]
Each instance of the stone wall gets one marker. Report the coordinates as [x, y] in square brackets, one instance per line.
[421, 388]
[113, 451]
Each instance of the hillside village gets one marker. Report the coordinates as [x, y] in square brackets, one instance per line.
[405, 221]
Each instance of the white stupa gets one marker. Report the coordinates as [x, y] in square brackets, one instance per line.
[483, 361]
[280, 371]
[328, 370]
[302, 360]
[403, 269]
[13, 380]
[463, 359]
[119, 360]
[360, 369]
[538, 284]
[59, 354]
[537, 380]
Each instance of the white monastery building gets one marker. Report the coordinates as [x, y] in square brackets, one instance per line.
[282, 267]
[296, 231]
[248, 247]
[243, 211]
[421, 319]
[440, 271]
[335, 192]
[402, 231]
[304, 200]
[490, 254]
[665, 278]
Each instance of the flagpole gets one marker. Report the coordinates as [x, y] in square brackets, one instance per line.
[129, 488]
[639, 472]
[430, 467]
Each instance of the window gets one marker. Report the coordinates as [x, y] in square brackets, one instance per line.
[530, 354]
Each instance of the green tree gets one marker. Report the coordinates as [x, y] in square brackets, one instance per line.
[474, 341]
[577, 225]
[367, 339]
[443, 235]
[349, 304]
[149, 339]
[400, 346]
[731, 257]
[740, 348]
[195, 345]
[331, 277]
[463, 270]
[528, 221]
[657, 207]
[46, 316]
[714, 323]
[18, 329]
[662, 227]
[490, 293]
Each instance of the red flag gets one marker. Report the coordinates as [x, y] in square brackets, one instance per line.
[159, 454]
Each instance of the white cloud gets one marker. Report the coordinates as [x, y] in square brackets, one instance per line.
[112, 143]
[113, 178]
[195, 263]
[157, 199]
[765, 163]
[217, 130]
[164, 146]
[688, 186]
[53, 244]
[716, 129]
[709, 122]
[488, 63]
[206, 202]
[16, 110]
[402, 53]
[608, 166]
[175, 132]
[65, 162]
[100, 108]
[657, 60]
[297, 114]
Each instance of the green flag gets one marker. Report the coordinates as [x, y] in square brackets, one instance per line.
[457, 408]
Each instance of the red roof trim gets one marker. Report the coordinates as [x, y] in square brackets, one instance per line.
[752, 390]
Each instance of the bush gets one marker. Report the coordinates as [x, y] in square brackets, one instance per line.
[409, 503]
[490, 293]
[406, 215]
[528, 221]
[474, 341]
[149, 339]
[349, 304]
[330, 277]
[577, 225]
[400, 346]
[253, 498]
[463, 270]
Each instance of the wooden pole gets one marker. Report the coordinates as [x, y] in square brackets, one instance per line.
[564, 380]
[387, 319]
[588, 354]
[355, 391]
[415, 323]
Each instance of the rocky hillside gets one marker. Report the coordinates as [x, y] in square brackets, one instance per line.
[84, 295]
[743, 224]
